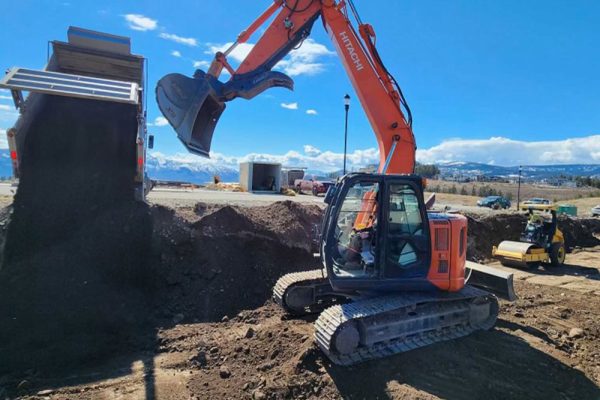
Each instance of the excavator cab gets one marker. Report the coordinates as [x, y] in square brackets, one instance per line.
[376, 233]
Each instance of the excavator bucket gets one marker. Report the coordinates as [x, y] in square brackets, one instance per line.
[491, 279]
[193, 106]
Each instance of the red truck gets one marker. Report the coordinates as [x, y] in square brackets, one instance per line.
[314, 184]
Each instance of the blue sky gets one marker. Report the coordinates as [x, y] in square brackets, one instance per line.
[503, 82]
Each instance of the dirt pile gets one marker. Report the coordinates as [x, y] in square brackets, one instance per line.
[228, 258]
[123, 274]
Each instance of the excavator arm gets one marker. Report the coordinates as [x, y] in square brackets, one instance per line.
[194, 106]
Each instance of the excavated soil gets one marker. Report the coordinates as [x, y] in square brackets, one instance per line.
[133, 269]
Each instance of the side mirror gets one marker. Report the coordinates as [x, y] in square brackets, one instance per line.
[151, 141]
[329, 195]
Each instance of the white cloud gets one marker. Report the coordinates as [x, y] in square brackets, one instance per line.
[4, 107]
[311, 150]
[290, 106]
[178, 39]
[176, 53]
[501, 151]
[159, 121]
[238, 54]
[2, 97]
[303, 61]
[201, 64]
[310, 111]
[139, 22]
[306, 59]
[509, 152]
[326, 161]
[3, 139]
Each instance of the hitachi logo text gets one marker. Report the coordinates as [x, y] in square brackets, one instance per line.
[353, 54]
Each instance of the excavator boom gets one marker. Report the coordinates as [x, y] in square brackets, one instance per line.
[193, 106]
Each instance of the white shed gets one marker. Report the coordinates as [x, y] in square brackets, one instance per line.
[258, 176]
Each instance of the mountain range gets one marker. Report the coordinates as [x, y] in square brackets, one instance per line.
[535, 172]
[162, 168]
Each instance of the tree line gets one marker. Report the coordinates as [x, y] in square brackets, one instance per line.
[481, 191]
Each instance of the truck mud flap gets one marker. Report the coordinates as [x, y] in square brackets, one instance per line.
[493, 280]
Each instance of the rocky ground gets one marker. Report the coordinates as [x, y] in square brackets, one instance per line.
[201, 325]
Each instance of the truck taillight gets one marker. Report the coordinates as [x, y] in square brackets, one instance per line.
[13, 155]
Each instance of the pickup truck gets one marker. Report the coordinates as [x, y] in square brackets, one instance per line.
[313, 184]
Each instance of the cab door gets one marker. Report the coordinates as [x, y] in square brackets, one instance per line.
[406, 242]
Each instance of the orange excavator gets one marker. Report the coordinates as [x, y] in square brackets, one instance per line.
[395, 275]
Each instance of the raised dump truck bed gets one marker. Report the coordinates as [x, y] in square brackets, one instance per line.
[95, 71]
[78, 146]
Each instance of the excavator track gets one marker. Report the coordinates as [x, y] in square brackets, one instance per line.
[383, 326]
[309, 280]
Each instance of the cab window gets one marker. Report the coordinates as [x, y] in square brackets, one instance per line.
[406, 241]
[356, 229]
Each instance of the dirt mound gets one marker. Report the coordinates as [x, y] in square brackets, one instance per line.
[580, 232]
[289, 222]
[227, 260]
[128, 271]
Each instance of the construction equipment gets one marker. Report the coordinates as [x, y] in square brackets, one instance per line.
[96, 84]
[394, 276]
[541, 242]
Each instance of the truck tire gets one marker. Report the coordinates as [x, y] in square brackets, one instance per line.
[558, 254]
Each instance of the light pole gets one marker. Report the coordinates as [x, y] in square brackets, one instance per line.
[347, 107]
[519, 188]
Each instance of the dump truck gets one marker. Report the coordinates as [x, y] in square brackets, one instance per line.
[85, 111]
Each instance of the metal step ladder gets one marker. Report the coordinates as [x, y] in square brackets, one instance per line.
[18, 80]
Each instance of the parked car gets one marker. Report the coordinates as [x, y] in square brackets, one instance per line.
[495, 202]
[596, 211]
[313, 184]
[536, 200]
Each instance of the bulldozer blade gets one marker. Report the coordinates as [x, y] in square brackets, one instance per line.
[491, 279]
[193, 107]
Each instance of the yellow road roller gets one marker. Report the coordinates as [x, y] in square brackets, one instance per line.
[540, 243]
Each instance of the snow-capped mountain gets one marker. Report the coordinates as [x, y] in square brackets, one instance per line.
[528, 171]
[185, 168]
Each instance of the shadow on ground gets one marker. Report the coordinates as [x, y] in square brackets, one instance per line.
[486, 365]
